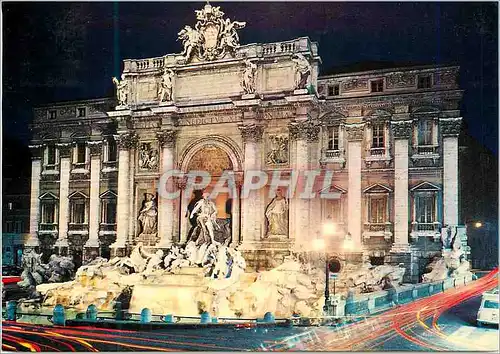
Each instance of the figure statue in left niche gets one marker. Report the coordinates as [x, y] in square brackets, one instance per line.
[121, 90]
[302, 70]
[166, 86]
[248, 79]
[148, 215]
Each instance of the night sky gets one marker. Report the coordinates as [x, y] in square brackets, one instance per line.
[68, 51]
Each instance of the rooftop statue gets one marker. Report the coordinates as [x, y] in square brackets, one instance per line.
[121, 91]
[213, 36]
[302, 70]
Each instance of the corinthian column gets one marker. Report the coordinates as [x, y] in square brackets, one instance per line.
[92, 244]
[36, 169]
[126, 141]
[450, 129]
[355, 137]
[62, 240]
[402, 133]
[252, 206]
[304, 133]
[166, 213]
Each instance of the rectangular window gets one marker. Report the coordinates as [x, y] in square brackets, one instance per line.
[53, 114]
[333, 90]
[51, 155]
[108, 208]
[48, 213]
[377, 85]
[378, 208]
[81, 153]
[378, 136]
[111, 150]
[333, 138]
[82, 112]
[425, 208]
[425, 132]
[78, 211]
[424, 82]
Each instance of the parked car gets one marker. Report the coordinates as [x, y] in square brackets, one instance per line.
[488, 311]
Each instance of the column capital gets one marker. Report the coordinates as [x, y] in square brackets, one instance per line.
[36, 151]
[355, 132]
[166, 138]
[64, 149]
[402, 129]
[450, 127]
[304, 130]
[95, 148]
[251, 132]
[126, 141]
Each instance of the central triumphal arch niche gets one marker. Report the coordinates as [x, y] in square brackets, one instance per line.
[215, 161]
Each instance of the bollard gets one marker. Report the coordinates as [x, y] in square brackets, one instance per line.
[118, 311]
[269, 317]
[11, 310]
[169, 318]
[91, 313]
[214, 320]
[205, 317]
[59, 316]
[145, 315]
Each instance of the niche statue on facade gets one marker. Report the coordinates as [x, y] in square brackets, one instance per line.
[148, 157]
[302, 71]
[277, 216]
[166, 86]
[121, 91]
[148, 220]
[248, 79]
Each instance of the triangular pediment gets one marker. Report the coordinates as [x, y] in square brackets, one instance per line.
[77, 194]
[332, 189]
[377, 188]
[108, 194]
[48, 196]
[425, 187]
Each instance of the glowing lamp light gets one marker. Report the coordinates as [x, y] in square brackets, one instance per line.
[319, 244]
[328, 228]
[478, 224]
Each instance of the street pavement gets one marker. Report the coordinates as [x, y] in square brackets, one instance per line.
[442, 322]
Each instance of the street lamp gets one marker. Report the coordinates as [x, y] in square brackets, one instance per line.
[328, 230]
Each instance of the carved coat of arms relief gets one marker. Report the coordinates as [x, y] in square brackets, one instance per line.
[212, 37]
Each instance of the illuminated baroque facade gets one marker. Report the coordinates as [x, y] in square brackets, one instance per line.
[388, 139]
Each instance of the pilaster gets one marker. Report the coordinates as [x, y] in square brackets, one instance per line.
[36, 170]
[65, 166]
[402, 132]
[252, 205]
[354, 141]
[91, 247]
[450, 130]
[304, 133]
[166, 139]
[125, 141]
